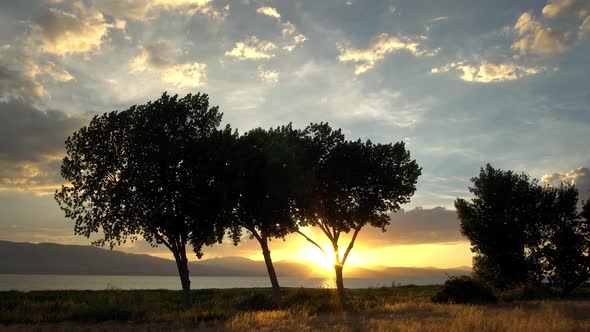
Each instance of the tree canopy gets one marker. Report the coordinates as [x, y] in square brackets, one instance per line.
[353, 184]
[269, 176]
[566, 240]
[523, 233]
[155, 171]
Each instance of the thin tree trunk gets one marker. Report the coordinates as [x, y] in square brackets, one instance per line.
[183, 272]
[276, 289]
[340, 285]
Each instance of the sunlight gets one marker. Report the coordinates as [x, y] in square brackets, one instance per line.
[324, 264]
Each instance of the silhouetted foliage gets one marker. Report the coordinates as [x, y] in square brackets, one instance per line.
[269, 175]
[352, 184]
[566, 241]
[155, 171]
[523, 233]
[465, 289]
[503, 223]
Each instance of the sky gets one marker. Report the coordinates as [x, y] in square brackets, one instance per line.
[462, 82]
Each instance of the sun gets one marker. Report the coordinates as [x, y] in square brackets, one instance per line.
[323, 264]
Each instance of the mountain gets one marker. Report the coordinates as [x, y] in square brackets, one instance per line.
[50, 258]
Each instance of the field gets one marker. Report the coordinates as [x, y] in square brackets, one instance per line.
[405, 308]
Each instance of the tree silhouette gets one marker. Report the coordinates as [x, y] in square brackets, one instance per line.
[504, 224]
[156, 171]
[269, 174]
[567, 240]
[353, 184]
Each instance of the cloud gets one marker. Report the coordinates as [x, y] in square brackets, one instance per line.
[584, 28]
[288, 29]
[576, 8]
[385, 107]
[580, 177]
[269, 11]
[298, 39]
[384, 44]
[157, 57]
[31, 146]
[140, 10]
[488, 72]
[252, 48]
[45, 68]
[535, 38]
[15, 85]
[417, 226]
[62, 33]
[436, 19]
[270, 76]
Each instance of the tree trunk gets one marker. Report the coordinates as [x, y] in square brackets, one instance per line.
[183, 272]
[276, 289]
[340, 285]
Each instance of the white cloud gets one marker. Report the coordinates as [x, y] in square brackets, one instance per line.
[436, 19]
[384, 106]
[298, 39]
[536, 38]
[270, 76]
[140, 10]
[384, 44]
[46, 68]
[584, 28]
[252, 48]
[288, 29]
[580, 177]
[62, 33]
[556, 8]
[488, 72]
[156, 58]
[269, 11]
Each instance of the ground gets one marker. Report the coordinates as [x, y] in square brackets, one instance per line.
[380, 309]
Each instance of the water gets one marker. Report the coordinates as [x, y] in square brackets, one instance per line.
[29, 282]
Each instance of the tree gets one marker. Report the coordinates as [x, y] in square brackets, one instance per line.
[353, 184]
[269, 173]
[504, 223]
[156, 171]
[567, 240]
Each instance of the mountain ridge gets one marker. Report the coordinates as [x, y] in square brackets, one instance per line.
[53, 258]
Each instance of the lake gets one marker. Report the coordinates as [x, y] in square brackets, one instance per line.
[30, 282]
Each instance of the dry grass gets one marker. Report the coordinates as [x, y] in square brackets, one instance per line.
[387, 309]
[526, 316]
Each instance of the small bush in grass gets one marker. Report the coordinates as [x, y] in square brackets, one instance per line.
[464, 289]
[527, 292]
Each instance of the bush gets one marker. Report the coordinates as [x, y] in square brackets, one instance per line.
[527, 292]
[464, 289]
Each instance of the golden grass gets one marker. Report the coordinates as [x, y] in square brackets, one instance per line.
[526, 316]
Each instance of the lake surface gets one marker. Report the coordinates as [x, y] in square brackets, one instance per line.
[29, 282]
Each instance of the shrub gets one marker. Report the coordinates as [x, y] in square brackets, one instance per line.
[526, 292]
[464, 289]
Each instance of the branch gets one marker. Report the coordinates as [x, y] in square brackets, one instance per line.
[351, 244]
[312, 241]
[255, 234]
[326, 231]
[159, 237]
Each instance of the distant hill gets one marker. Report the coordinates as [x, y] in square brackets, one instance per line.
[50, 258]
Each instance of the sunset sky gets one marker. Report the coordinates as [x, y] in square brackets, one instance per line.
[462, 82]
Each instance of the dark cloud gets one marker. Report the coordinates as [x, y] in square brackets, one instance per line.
[31, 146]
[29, 134]
[13, 84]
[417, 226]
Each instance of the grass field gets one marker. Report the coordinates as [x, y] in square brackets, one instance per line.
[381, 309]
